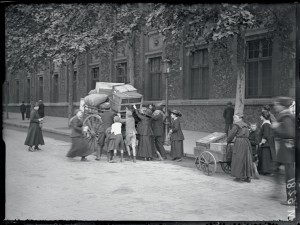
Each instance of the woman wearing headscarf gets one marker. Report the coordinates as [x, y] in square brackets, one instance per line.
[266, 152]
[146, 147]
[34, 134]
[176, 136]
[241, 164]
[79, 147]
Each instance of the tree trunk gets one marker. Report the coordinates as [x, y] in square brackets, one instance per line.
[130, 48]
[240, 72]
[70, 69]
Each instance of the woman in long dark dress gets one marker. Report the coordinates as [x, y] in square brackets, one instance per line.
[241, 164]
[176, 136]
[34, 135]
[266, 152]
[80, 147]
[146, 148]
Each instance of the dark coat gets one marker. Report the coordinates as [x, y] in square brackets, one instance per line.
[285, 133]
[241, 165]
[254, 140]
[28, 107]
[266, 133]
[76, 125]
[228, 115]
[41, 110]
[80, 146]
[145, 125]
[176, 134]
[22, 108]
[34, 135]
[158, 124]
[107, 120]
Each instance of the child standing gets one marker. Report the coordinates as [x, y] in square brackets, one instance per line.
[130, 139]
[254, 140]
[176, 136]
[116, 130]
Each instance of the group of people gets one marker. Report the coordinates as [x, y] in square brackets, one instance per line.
[143, 136]
[254, 150]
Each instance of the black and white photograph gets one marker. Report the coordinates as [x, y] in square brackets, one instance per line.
[151, 111]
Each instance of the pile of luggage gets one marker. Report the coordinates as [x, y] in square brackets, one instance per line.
[117, 96]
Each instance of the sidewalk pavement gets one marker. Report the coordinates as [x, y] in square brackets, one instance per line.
[59, 125]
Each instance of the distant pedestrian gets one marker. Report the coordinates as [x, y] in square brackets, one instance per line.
[28, 109]
[130, 138]
[284, 131]
[23, 110]
[266, 152]
[241, 164]
[116, 129]
[228, 116]
[254, 140]
[176, 136]
[267, 109]
[158, 130]
[146, 147]
[34, 134]
[41, 109]
[79, 147]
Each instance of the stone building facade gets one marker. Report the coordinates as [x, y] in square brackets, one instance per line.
[200, 82]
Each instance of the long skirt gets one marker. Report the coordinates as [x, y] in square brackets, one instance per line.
[241, 164]
[34, 135]
[265, 163]
[146, 147]
[176, 149]
[79, 148]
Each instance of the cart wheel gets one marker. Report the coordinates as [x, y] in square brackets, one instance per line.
[208, 163]
[197, 163]
[94, 122]
[226, 167]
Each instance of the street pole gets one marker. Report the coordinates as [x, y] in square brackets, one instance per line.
[6, 102]
[167, 114]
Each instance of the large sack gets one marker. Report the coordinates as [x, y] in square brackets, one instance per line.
[95, 99]
[94, 91]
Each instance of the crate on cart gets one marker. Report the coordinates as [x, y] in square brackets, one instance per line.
[119, 101]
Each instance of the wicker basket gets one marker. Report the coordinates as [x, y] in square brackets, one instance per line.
[119, 101]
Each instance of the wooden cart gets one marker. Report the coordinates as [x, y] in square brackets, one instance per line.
[207, 160]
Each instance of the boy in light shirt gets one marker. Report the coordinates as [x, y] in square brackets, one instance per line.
[116, 130]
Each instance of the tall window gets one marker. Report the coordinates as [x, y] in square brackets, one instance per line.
[121, 73]
[17, 91]
[75, 86]
[259, 69]
[28, 92]
[95, 77]
[55, 88]
[40, 88]
[199, 74]
[155, 77]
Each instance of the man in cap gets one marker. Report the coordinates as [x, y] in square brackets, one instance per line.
[158, 131]
[228, 116]
[23, 110]
[284, 131]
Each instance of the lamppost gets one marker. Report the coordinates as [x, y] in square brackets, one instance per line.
[166, 70]
[6, 100]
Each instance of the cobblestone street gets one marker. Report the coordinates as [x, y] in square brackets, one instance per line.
[46, 185]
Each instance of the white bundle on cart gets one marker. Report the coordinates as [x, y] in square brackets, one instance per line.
[95, 100]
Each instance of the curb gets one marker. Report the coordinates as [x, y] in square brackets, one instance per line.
[44, 129]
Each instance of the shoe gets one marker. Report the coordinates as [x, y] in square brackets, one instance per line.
[37, 149]
[248, 180]
[98, 159]
[111, 161]
[174, 159]
[237, 180]
[31, 149]
[178, 160]
[84, 159]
